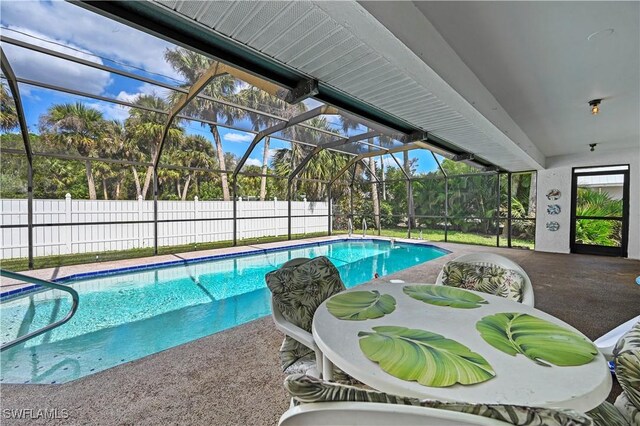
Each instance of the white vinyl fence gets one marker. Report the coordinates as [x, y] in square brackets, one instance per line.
[255, 219]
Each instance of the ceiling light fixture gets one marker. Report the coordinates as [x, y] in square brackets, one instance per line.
[592, 146]
[595, 106]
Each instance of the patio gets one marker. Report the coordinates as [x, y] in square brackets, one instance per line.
[157, 132]
[233, 377]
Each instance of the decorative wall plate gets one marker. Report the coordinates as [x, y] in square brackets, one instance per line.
[553, 209]
[553, 194]
[553, 226]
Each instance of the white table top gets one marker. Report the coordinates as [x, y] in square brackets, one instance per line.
[518, 380]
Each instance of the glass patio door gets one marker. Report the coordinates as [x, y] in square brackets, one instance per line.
[600, 210]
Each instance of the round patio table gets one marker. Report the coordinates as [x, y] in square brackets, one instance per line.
[518, 380]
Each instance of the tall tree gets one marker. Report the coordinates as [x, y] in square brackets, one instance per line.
[191, 66]
[260, 100]
[145, 128]
[77, 126]
[8, 114]
[347, 126]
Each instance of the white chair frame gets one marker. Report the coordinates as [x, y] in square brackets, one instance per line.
[607, 342]
[298, 334]
[378, 414]
[488, 259]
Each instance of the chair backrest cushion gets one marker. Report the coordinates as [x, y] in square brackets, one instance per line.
[626, 356]
[297, 291]
[307, 389]
[487, 278]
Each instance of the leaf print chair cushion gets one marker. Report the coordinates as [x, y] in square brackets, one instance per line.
[307, 390]
[488, 273]
[297, 289]
[626, 356]
[626, 409]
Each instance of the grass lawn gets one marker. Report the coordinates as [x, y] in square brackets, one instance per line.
[452, 237]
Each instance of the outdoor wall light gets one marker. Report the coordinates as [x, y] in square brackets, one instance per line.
[592, 146]
[595, 106]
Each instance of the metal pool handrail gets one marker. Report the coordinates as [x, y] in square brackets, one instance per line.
[74, 306]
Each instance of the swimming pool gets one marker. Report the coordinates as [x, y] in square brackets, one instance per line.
[126, 315]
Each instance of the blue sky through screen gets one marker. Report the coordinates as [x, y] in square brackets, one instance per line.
[73, 30]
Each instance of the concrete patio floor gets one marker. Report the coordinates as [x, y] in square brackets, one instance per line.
[233, 378]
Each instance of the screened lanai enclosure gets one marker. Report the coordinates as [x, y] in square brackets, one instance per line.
[161, 148]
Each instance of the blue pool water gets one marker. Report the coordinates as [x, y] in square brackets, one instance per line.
[126, 316]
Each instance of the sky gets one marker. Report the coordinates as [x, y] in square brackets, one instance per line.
[70, 29]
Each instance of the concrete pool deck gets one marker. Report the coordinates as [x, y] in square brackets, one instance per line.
[233, 377]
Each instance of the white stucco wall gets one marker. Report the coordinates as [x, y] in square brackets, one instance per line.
[558, 175]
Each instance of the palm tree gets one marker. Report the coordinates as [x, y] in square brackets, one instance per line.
[8, 116]
[349, 124]
[76, 126]
[191, 65]
[145, 129]
[256, 98]
[193, 151]
[323, 166]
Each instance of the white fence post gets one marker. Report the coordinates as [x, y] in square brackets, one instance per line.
[68, 218]
[304, 213]
[239, 222]
[275, 214]
[196, 215]
[140, 226]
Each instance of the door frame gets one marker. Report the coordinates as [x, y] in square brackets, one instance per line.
[621, 251]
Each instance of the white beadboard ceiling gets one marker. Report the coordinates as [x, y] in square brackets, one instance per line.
[344, 46]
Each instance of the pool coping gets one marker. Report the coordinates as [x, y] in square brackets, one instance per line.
[240, 251]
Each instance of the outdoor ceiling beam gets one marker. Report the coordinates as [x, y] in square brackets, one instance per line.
[334, 144]
[15, 93]
[212, 72]
[463, 157]
[324, 109]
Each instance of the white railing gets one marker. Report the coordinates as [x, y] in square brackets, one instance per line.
[255, 219]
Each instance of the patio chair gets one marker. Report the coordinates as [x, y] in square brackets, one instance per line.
[297, 289]
[626, 409]
[489, 273]
[608, 341]
[319, 402]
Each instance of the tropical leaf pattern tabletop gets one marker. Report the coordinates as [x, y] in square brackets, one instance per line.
[428, 358]
[361, 305]
[444, 296]
[539, 340]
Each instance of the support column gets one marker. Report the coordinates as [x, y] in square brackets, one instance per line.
[329, 211]
[288, 210]
[446, 207]
[30, 212]
[235, 210]
[509, 209]
[497, 213]
[155, 212]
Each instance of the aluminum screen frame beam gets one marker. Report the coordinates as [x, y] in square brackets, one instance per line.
[308, 115]
[24, 129]
[199, 85]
